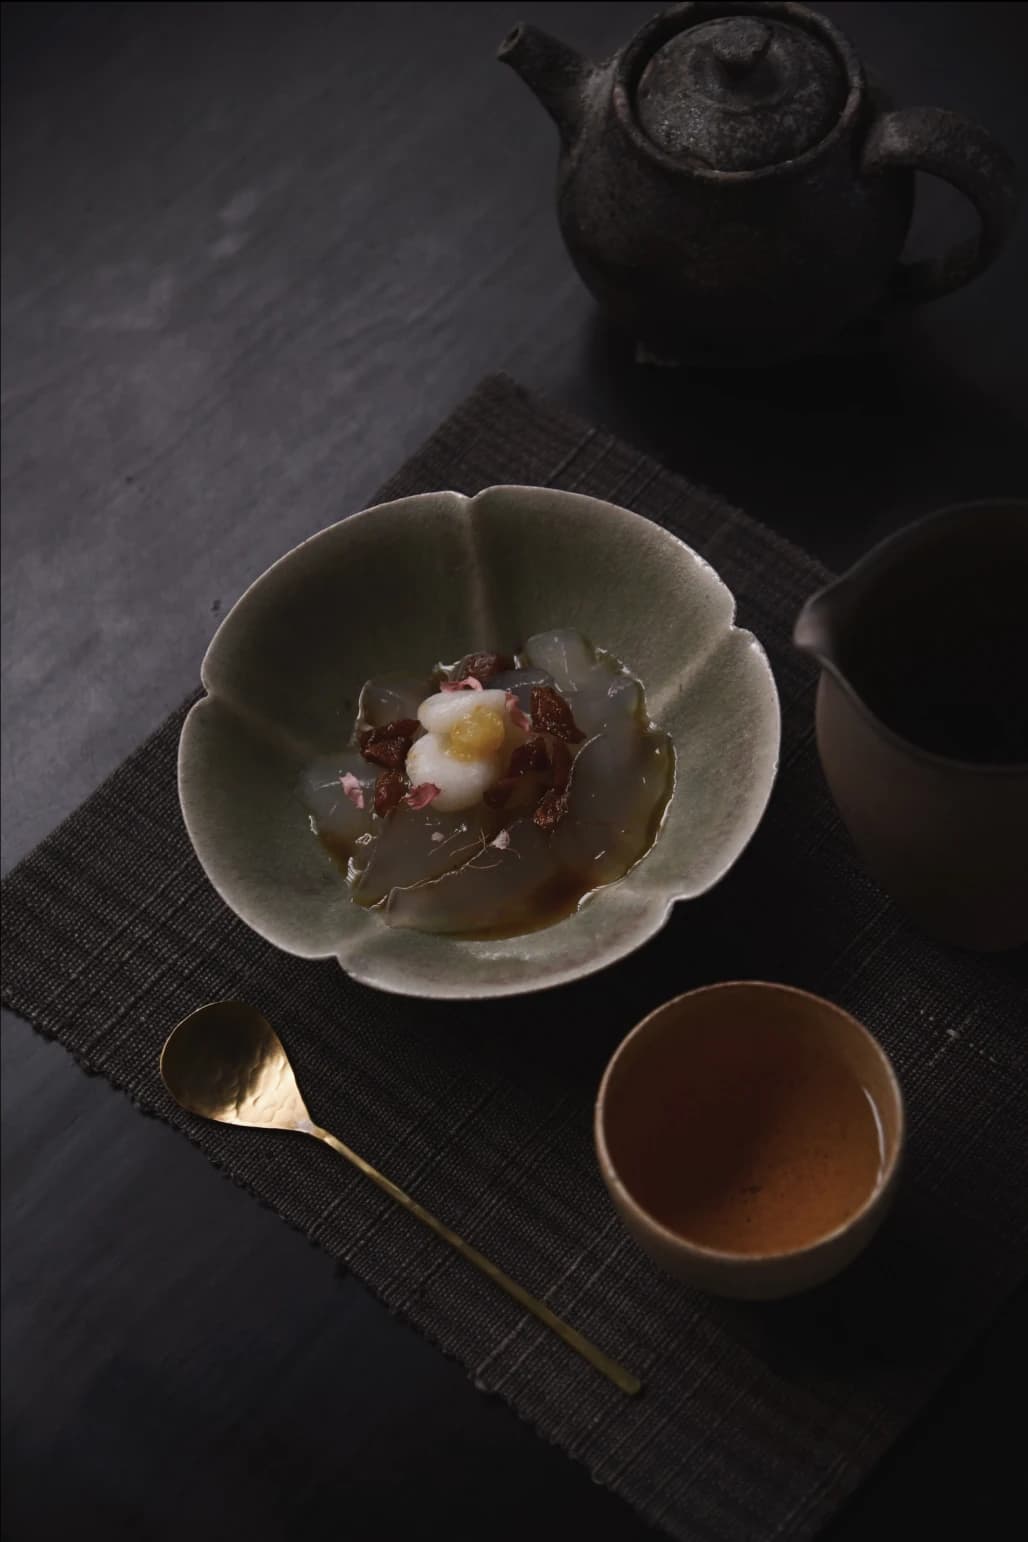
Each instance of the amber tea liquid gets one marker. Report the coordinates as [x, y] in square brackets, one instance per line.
[760, 1141]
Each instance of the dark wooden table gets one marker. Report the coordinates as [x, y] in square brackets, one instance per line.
[252, 253]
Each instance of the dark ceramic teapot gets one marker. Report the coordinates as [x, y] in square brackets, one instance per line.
[733, 191]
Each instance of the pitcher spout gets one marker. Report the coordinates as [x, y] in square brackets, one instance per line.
[555, 72]
[816, 627]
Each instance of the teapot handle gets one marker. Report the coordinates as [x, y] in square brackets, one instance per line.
[945, 145]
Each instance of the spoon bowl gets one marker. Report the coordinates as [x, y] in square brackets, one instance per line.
[226, 1062]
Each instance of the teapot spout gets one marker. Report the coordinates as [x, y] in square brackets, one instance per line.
[555, 72]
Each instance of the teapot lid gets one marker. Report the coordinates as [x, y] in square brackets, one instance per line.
[741, 92]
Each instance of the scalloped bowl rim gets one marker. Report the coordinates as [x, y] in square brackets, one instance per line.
[393, 981]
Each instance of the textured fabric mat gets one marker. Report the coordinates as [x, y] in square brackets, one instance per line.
[755, 1421]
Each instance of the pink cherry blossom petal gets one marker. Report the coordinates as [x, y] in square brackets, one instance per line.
[352, 788]
[502, 841]
[471, 683]
[422, 795]
[519, 718]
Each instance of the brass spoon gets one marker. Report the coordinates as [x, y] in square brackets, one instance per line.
[226, 1062]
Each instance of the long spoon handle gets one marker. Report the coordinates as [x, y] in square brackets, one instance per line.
[610, 1368]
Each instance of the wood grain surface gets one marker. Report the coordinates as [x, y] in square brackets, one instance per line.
[252, 254]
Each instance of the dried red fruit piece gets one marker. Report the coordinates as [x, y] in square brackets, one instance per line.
[483, 666]
[551, 714]
[550, 809]
[387, 746]
[390, 753]
[560, 761]
[533, 755]
[389, 789]
[402, 728]
[422, 795]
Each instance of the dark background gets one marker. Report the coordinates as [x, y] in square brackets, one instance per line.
[252, 254]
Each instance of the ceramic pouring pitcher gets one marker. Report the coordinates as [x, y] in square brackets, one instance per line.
[922, 717]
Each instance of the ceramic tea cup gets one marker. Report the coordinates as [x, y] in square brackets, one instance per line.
[750, 1136]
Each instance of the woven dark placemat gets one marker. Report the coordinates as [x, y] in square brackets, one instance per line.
[755, 1421]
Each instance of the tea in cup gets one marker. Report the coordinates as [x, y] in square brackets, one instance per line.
[750, 1136]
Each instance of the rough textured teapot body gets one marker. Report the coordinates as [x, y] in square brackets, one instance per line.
[731, 190]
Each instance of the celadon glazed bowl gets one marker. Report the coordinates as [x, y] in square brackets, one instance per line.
[400, 586]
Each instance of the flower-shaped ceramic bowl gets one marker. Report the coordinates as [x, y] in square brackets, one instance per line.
[434, 577]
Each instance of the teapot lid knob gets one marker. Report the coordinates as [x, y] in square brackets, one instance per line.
[738, 91]
[741, 50]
